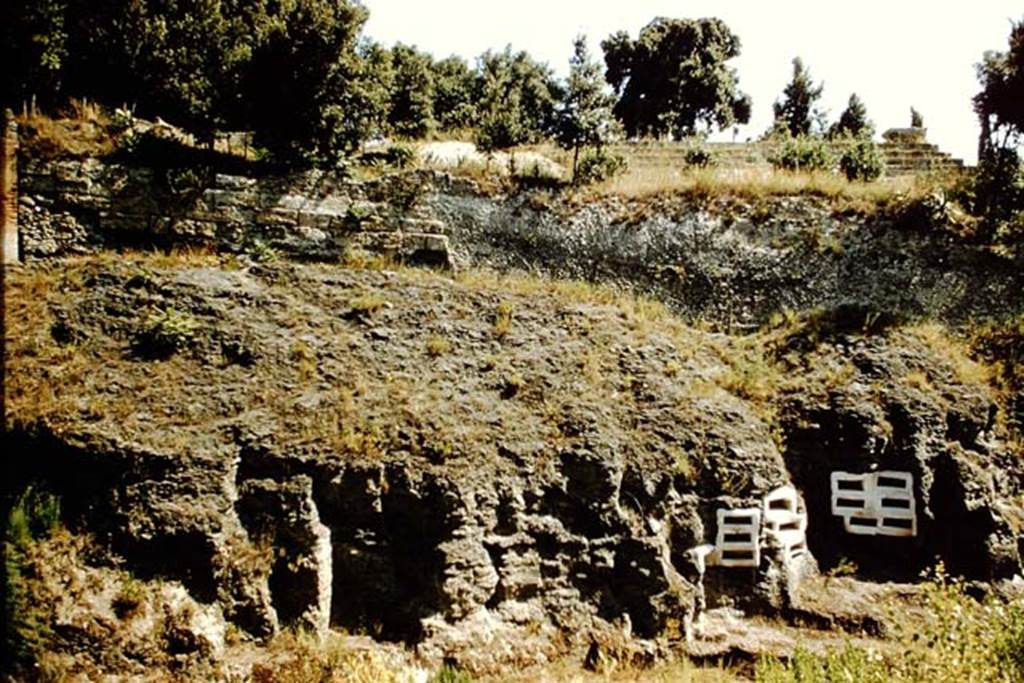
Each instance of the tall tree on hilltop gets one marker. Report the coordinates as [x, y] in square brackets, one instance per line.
[796, 111]
[412, 92]
[999, 180]
[454, 101]
[674, 78]
[516, 99]
[1000, 104]
[585, 113]
[306, 90]
[854, 120]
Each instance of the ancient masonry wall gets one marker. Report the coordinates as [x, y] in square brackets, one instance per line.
[69, 207]
[9, 189]
[901, 156]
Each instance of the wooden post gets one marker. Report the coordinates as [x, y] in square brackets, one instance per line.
[9, 189]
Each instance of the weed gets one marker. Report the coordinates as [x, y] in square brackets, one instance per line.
[164, 333]
[130, 599]
[438, 346]
[305, 359]
[503, 319]
[959, 639]
[365, 306]
[261, 252]
[450, 674]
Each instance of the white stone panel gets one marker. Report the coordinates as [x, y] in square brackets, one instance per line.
[876, 503]
[785, 519]
[738, 542]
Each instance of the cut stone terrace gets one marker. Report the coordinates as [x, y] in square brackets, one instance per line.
[904, 153]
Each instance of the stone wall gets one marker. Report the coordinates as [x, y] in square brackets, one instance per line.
[69, 207]
[901, 157]
[732, 261]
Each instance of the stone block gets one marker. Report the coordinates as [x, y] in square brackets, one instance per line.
[876, 503]
[738, 541]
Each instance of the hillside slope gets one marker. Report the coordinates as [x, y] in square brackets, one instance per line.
[492, 469]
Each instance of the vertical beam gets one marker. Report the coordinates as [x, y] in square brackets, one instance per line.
[9, 189]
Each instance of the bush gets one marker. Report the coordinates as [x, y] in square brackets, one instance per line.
[995, 191]
[804, 153]
[165, 333]
[599, 165]
[34, 515]
[861, 161]
[958, 639]
[696, 155]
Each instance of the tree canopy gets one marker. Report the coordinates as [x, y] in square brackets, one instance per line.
[585, 112]
[854, 120]
[516, 99]
[1000, 104]
[796, 110]
[674, 79]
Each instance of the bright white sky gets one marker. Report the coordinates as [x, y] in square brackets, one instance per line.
[894, 53]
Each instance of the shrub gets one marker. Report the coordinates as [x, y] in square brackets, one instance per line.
[804, 153]
[995, 191]
[860, 160]
[449, 674]
[33, 516]
[959, 639]
[599, 165]
[165, 333]
[696, 155]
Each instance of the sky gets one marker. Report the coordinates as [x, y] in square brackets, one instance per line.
[895, 54]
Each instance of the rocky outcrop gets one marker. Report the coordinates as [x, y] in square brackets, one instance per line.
[591, 470]
[731, 261]
[70, 207]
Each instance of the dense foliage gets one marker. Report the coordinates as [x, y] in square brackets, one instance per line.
[516, 99]
[796, 111]
[674, 79]
[854, 120]
[584, 117]
[996, 191]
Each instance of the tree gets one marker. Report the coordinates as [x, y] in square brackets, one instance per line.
[674, 78]
[306, 91]
[376, 79]
[1000, 104]
[33, 49]
[585, 113]
[177, 59]
[516, 99]
[412, 92]
[795, 112]
[999, 181]
[854, 120]
[454, 101]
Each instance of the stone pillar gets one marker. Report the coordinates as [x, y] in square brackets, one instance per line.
[9, 188]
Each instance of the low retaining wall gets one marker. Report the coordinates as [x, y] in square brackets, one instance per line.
[69, 207]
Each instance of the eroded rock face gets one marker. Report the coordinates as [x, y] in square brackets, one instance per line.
[902, 409]
[306, 458]
[726, 260]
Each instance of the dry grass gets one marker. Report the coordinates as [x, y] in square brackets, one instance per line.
[749, 183]
[681, 671]
[955, 351]
[81, 130]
